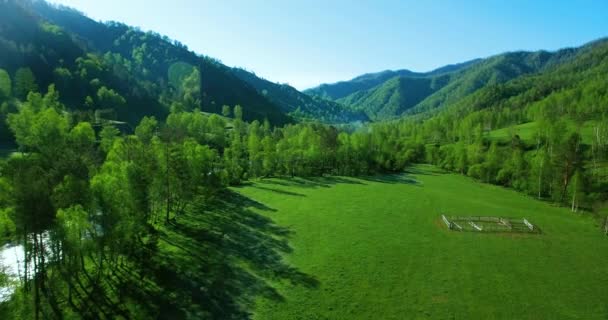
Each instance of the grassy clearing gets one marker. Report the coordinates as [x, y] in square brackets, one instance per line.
[379, 250]
[527, 131]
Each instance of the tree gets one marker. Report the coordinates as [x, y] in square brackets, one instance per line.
[39, 128]
[567, 161]
[540, 171]
[192, 90]
[146, 129]
[461, 158]
[73, 225]
[25, 82]
[492, 163]
[269, 157]
[107, 136]
[576, 189]
[82, 137]
[226, 111]
[5, 85]
[238, 112]
[109, 99]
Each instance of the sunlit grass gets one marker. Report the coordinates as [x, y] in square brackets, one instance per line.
[379, 251]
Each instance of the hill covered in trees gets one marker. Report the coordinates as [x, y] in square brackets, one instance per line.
[115, 71]
[391, 94]
[368, 81]
[107, 66]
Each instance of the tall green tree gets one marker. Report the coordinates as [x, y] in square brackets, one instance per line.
[5, 85]
[25, 82]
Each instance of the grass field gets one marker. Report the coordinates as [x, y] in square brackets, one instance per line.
[377, 249]
[527, 131]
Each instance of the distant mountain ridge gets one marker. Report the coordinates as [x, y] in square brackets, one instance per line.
[367, 81]
[391, 94]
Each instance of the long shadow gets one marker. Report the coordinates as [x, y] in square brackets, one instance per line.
[214, 261]
[295, 182]
[310, 182]
[279, 191]
[393, 179]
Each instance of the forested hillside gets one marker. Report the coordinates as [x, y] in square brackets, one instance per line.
[115, 71]
[395, 96]
[391, 94]
[368, 81]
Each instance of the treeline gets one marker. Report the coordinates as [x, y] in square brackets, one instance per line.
[86, 200]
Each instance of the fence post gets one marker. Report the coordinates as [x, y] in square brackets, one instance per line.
[447, 222]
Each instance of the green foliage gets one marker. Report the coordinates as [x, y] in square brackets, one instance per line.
[226, 112]
[82, 136]
[146, 129]
[38, 126]
[107, 136]
[25, 82]
[5, 85]
[109, 99]
[179, 71]
[74, 223]
[238, 112]
[7, 227]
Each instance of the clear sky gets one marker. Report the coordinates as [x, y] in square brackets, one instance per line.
[308, 42]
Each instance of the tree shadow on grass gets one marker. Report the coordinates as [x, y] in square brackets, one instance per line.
[295, 182]
[393, 179]
[312, 182]
[215, 260]
[279, 191]
[212, 262]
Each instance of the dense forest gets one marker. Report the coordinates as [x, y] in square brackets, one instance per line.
[118, 136]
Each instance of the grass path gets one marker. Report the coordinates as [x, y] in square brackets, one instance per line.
[379, 251]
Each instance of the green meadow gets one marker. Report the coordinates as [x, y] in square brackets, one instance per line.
[377, 249]
[526, 132]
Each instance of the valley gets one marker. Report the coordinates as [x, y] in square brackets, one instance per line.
[141, 178]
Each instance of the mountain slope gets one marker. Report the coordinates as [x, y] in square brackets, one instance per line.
[299, 104]
[368, 81]
[394, 96]
[62, 46]
[573, 86]
[398, 92]
[492, 71]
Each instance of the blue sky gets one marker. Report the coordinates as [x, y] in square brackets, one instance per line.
[305, 43]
